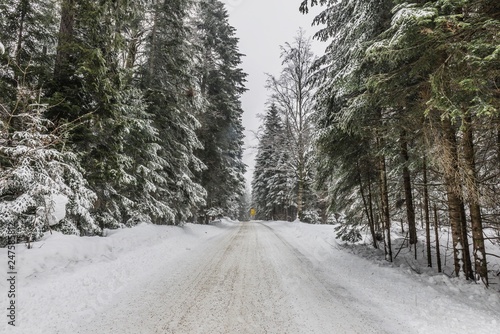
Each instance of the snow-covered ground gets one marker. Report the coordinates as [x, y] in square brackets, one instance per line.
[257, 277]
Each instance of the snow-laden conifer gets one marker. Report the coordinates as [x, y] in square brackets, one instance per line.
[220, 85]
[36, 169]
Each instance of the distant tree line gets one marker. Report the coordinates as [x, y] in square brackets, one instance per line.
[129, 109]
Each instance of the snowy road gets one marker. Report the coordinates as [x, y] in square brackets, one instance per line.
[248, 281]
[254, 277]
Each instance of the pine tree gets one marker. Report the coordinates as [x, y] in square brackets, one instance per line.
[221, 85]
[271, 193]
[35, 169]
[167, 80]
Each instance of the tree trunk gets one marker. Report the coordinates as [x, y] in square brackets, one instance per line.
[467, 258]
[300, 193]
[426, 215]
[384, 193]
[436, 232]
[370, 205]
[473, 196]
[20, 33]
[498, 143]
[455, 204]
[153, 55]
[369, 216]
[132, 52]
[410, 210]
[66, 28]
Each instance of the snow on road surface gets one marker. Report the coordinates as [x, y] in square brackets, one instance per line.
[249, 277]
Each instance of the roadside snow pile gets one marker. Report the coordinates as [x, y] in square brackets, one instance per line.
[314, 240]
[57, 252]
[76, 277]
[319, 244]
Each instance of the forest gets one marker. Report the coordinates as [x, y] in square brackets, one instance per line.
[129, 110]
[397, 123]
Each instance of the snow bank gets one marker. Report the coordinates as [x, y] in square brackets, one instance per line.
[65, 281]
[409, 287]
[72, 278]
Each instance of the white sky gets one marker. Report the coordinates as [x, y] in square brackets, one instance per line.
[262, 26]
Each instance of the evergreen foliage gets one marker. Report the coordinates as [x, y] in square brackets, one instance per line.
[403, 87]
[34, 169]
[272, 191]
[221, 133]
[116, 113]
[292, 99]
[167, 76]
[28, 32]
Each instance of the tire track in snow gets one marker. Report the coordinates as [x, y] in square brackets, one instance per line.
[235, 293]
[321, 305]
[250, 280]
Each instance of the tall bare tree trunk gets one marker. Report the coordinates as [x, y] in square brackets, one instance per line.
[426, 215]
[467, 257]
[498, 142]
[152, 59]
[20, 32]
[384, 193]
[370, 204]
[66, 29]
[473, 197]
[367, 207]
[461, 252]
[410, 210]
[436, 232]
[300, 191]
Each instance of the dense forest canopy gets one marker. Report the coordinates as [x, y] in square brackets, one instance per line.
[130, 110]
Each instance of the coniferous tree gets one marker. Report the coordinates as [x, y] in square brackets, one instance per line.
[271, 189]
[167, 78]
[428, 70]
[35, 169]
[27, 30]
[245, 204]
[124, 80]
[86, 90]
[444, 49]
[221, 85]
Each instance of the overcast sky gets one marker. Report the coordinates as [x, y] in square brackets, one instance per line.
[262, 26]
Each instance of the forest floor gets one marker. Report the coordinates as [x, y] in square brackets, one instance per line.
[231, 277]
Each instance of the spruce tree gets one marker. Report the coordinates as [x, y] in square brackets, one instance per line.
[85, 91]
[35, 169]
[28, 31]
[271, 194]
[221, 84]
[167, 81]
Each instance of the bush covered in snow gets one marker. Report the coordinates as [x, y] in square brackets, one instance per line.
[310, 217]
